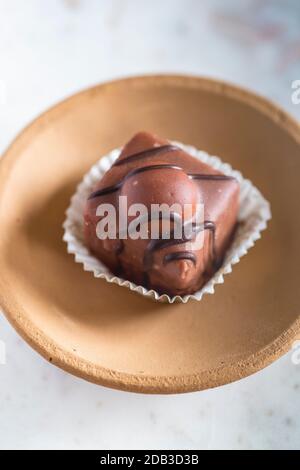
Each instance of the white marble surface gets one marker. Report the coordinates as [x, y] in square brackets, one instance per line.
[52, 48]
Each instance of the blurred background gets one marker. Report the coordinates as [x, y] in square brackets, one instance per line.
[50, 49]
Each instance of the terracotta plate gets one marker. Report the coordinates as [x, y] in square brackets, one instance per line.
[105, 333]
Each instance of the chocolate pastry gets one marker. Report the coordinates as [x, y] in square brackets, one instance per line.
[151, 171]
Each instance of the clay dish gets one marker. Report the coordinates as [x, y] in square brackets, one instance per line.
[105, 333]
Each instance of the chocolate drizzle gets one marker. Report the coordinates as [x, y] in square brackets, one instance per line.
[142, 169]
[180, 255]
[152, 152]
[158, 244]
[207, 177]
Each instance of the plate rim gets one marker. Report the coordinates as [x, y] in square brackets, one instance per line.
[70, 361]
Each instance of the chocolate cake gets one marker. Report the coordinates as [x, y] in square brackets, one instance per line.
[153, 171]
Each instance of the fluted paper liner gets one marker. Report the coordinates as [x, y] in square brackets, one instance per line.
[254, 213]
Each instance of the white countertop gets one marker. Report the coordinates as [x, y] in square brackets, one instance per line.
[50, 49]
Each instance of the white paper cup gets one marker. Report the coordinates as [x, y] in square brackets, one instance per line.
[254, 213]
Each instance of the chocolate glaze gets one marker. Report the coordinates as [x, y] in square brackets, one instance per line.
[152, 152]
[181, 162]
[154, 245]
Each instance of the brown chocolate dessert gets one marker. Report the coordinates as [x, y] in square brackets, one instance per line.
[151, 171]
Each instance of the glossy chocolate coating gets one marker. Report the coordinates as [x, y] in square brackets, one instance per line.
[152, 171]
